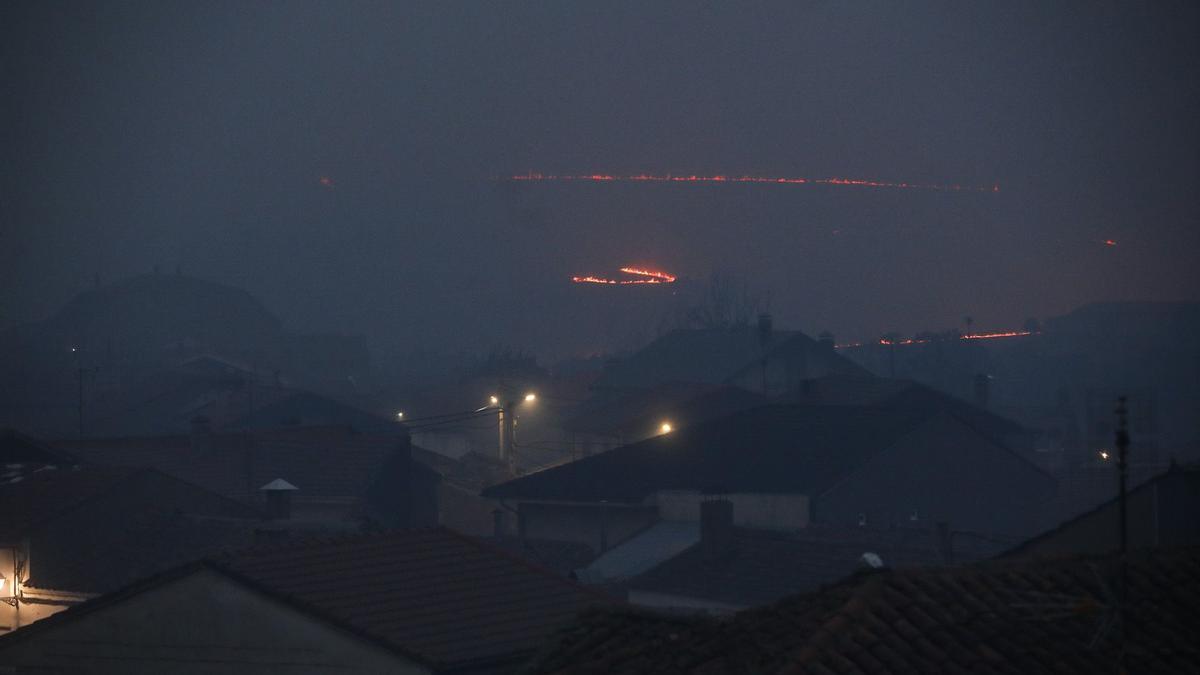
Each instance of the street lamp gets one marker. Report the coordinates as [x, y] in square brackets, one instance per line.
[530, 398]
[665, 428]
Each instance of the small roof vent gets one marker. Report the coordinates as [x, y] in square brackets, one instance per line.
[872, 560]
[277, 485]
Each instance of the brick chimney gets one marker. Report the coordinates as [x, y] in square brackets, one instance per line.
[279, 499]
[716, 529]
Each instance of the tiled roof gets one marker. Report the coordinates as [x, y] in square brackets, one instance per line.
[560, 557]
[443, 596]
[766, 566]
[1012, 617]
[781, 449]
[435, 596]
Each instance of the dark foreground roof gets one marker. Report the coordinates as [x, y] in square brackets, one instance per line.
[777, 449]
[432, 595]
[1022, 618]
[767, 566]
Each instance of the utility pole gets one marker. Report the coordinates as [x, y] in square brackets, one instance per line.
[507, 432]
[79, 377]
[1122, 441]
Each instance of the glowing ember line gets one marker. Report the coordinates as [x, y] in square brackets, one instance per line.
[663, 276]
[992, 336]
[649, 277]
[921, 341]
[668, 178]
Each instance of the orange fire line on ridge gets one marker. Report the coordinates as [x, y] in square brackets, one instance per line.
[968, 336]
[651, 277]
[668, 178]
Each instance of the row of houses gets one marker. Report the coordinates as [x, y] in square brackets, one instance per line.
[789, 485]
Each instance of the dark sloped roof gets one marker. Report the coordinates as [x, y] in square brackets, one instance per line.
[43, 492]
[432, 595]
[1185, 478]
[322, 461]
[712, 356]
[680, 402]
[774, 449]
[767, 566]
[560, 557]
[19, 448]
[1011, 617]
[444, 596]
[866, 389]
[95, 529]
[308, 409]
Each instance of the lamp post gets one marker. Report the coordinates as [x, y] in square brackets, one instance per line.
[506, 408]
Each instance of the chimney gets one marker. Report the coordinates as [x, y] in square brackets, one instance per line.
[764, 330]
[201, 434]
[982, 389]
[716, 529]
[279, 499]
[945, 542]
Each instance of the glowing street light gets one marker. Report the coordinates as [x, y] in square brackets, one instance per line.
[1104, 455]
[665, 428]
[399, 414]
[530, 398]
[495, 400]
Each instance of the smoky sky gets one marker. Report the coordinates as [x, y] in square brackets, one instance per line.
[196, 135]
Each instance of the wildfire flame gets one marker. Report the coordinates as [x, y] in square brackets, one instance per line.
[647, 277]
[668, 178]
[921, 341]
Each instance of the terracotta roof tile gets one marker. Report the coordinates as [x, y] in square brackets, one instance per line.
[443, 596]
[1003, 617]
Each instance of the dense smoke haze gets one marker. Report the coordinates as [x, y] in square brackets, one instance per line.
[340, 160]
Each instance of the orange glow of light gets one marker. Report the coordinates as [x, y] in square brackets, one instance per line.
[992, 336]
[647, 277]
[968, 336]
[719, 178]
[667, 278]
